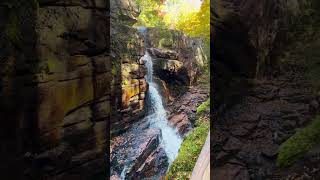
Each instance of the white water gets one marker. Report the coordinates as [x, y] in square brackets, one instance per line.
[157, 117]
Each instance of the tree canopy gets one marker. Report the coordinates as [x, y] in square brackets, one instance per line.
[190, 16]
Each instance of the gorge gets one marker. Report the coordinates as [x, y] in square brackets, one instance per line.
[151, 144]
[266, 89]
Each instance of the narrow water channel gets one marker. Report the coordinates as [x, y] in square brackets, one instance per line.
[157, 116]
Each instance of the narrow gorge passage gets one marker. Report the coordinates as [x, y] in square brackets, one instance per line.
[149, 147]
[156, 118]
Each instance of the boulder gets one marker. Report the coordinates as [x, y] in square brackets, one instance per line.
[138, 154]
[163, 53]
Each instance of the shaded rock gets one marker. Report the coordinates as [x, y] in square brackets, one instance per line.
[131, 154]
[163, 53]
[270, 151]
[155, 165]
[231, 172]
[233, 144]
[289, 124]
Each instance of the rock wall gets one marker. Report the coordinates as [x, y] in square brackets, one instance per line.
[246, 37]
[55, 88]
[179, 60]
[246, 33]
[190, 51]
[127, 48]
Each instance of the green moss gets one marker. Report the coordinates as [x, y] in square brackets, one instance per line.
[300, 143]
[204, 107]
[165, 42]
[183, 165]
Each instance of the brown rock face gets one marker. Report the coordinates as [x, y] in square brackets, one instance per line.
[188, 51]
[55, 88]
[137, 154]
[129, 85]
[246, 36]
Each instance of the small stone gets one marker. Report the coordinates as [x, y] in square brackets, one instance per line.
[222, 155]
[233, 144]
[288, 124]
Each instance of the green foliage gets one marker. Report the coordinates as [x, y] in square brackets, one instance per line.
[149, 13]
[176, 14]
[165, 43]
[204, 107]
[300, 143]
[193, 23]
[189, 152]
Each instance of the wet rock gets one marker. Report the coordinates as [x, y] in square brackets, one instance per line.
[180, 121]
[115, 177]
[134, 150]
[156, 164]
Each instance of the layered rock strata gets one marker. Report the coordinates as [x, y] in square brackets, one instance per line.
[55, 88]
[129, 85]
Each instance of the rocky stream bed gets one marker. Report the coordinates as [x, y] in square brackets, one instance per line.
[246, 137]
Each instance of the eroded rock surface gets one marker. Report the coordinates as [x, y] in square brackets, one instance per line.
[55, 88]
[246, 137]
[137, 154]
[182, 111]
[129, 85]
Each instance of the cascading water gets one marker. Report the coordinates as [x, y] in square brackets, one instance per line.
[157, 117]
[156, 113]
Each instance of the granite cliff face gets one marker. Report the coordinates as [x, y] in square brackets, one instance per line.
[262, 91]
[55, 88]
[246, 38]
[127, 48]
[179, 60]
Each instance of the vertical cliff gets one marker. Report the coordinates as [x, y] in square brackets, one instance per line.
[55, 88]
[265, 89]
[247, 36]
[129, 85]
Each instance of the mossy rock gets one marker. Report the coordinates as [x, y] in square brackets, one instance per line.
[299, 144]
[204, 107]
[165, 43]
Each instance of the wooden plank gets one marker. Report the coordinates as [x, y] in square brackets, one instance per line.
[201, 170]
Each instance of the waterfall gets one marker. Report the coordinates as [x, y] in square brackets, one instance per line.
[157, 116]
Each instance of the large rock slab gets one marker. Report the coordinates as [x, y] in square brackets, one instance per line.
[138, 154]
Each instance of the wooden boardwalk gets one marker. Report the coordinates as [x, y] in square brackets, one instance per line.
[201, 170]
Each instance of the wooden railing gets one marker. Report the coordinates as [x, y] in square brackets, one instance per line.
[201, 170]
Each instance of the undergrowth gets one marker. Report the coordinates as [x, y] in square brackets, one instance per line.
[181, 168]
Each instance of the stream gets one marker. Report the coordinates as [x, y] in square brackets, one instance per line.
[155, 119]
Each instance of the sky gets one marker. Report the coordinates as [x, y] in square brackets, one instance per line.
[174, 7]
[192, 5]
